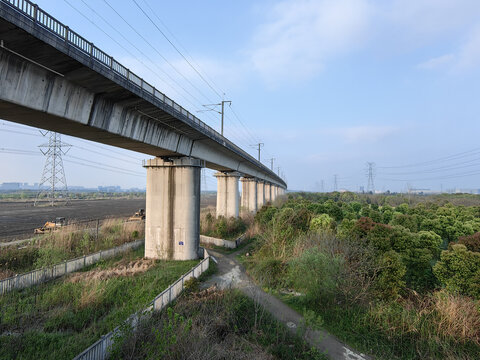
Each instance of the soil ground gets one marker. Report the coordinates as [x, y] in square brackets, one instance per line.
[18, 219]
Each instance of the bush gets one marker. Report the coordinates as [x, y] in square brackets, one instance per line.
[321, 223]
[316, 274]
[472, 242]
[390, 283]
[459, 270]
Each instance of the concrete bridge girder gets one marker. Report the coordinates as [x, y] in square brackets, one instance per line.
[34, 96]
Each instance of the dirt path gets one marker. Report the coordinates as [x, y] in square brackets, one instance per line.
[231, 274]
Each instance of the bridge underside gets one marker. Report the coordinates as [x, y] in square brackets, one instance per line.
[76, 96]
[48, 83]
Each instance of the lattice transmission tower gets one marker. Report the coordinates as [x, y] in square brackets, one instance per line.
[53, 185]
[371, 176]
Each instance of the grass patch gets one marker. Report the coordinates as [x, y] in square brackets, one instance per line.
[59, 319]
[66, 243]
[212, 325]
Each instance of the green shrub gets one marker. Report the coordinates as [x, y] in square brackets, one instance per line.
[390, 282]
[316, 274]
[459, 270]
[49, 255]
[321, 223]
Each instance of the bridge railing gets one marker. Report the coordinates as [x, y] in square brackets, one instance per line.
[48, 22]
[101, 349]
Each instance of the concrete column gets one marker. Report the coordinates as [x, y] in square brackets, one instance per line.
[249, 195]
[268, 192]
[273, 191]
[172, 227]
[227, 194]
[260, 194]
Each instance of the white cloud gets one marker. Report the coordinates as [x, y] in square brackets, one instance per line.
[302, 35]
[437, 62]
[423, 20]
[466, 57]
[469, 53]
[356, 134]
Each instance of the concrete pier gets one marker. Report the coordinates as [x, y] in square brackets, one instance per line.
[268, 192]
[273, 191]
[260, 194]
[228, 201]
[249, 195]
[172, 229]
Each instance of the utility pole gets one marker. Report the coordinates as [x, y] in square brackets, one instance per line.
[371, 175]
[271, 163]
[222, 112]
[259, 145]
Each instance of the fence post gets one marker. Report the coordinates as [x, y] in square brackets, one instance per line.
[16, 280]
[65, 266]
[84, 260]
[67, 29]
[35, 11]
[96, 233]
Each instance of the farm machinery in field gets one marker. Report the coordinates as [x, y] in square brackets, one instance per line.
[50, 226]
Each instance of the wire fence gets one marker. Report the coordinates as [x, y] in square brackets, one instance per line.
[35, 277]
[101, 349]
[94, 226]
[70, 37]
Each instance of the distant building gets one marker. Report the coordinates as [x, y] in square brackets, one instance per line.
[110, 189]
[10, 186]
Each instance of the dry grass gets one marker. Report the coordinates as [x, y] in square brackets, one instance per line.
[122, 270]
[437, 317]
[6, 274]
[458, 317]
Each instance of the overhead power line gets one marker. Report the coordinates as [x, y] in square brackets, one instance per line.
[176, 49]
[158, 52]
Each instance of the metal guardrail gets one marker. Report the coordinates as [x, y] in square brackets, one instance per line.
[100, 349]
[39, 276]
[42, 18]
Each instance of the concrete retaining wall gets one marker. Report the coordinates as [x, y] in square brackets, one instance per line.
[230, 244]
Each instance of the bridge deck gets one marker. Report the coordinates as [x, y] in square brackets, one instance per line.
[35, 35]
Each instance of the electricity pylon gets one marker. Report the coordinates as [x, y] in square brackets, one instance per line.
[371, 175]
[53, 175]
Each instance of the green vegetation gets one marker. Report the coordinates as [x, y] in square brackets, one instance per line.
[59, 319]
[222, 228]
[212, 325]
[67, 243]
[392, 279]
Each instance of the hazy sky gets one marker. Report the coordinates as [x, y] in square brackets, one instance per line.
[326, 85]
